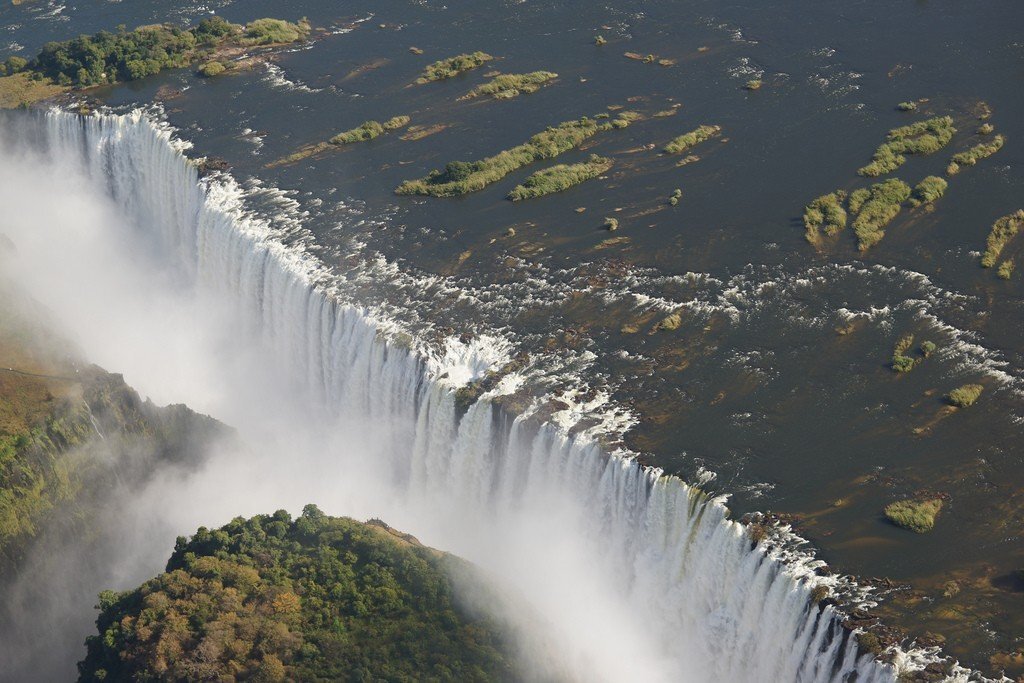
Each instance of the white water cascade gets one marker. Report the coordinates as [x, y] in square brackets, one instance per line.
[688, 598]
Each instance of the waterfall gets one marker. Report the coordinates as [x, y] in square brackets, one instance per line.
[713, 607]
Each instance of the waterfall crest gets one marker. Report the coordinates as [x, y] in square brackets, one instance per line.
[715, 608]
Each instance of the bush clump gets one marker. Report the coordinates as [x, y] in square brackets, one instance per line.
[312, 599]
[826, 212]
[923, 137]
[975, 154]
[1003, 230]
[754, 84]
[559, 178]
[928, 190]
[274, 31]
[917, 515]
[901, 362]
[212, 68]
[453, 66]
[966, 395]
[507, 86]
[875, 208]
[693, 138]
[369, 130]
[907, 106]
[1005, 270]
[462, 177]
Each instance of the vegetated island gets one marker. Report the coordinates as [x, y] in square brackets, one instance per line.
[825, 213]
[923, 137]
[559, 178]
[902, 361]
[106, 58]
[972, 156]
[366, 131]
[1003, 230]
[462, 177]
[315, 598]
[453, 66]
[875, 208]
[507, 86]
[692, 139]
[917, 515]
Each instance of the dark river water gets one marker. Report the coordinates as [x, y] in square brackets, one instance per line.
[775, 387]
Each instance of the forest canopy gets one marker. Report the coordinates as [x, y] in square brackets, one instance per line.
[315, 598]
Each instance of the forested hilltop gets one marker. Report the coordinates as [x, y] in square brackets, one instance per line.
[316, 598]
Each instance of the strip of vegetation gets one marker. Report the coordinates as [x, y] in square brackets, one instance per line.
[923, 137]
[559, 178]
[507, 86]
[975, 154]
[693, 138]
[965, 396]
[826, 212]
[1003, 230]
[1005, 270]
[317, 598]
[369, 130]
[875, 208]
[916, 515]
[453, 66]
[901, 362]
[928, 190]
[463, 177]
[130, 55]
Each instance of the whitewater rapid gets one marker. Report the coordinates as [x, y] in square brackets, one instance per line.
[707, 605]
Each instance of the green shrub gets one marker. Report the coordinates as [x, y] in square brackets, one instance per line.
[916, 515]
[907, 106]
[876, 210]
[507, 86]
[1005, 270]
[611, 224]
[212, 68]
[929, 190]
[453, 66]
[273, 31]
[986, 129]
[15, 64]
[965, 395]
[825, 212]
[975, 154]
[674, 198]
[923, 137]
[753, 85]
[691, 139]
[396, 122]
[366, 131]
[600, 40]
[1003, 230]
[928, 348]
[559, 178]
[460, 177]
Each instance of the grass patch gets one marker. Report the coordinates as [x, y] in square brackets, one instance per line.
[1003, 230]
[825, 213]
[420, 132]
[211, 68]
[692, 139]
[274, 32]
[559, 178]
[975, 154]
[907, 106]
[923, 137]
[462, 177]
[21, 90]
[966, 395]
[1005, 270]
[674, 198]
[369, 130]
[928, 190]
[916, 515]
[453, 66]
[875, 208]
[754, 84]
[507, 86]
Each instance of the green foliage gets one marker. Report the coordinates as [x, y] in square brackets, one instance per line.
[1005, 270]
[274, 31]
[317, 598]
[907, 106]
[694, 137]
[130, 55]
[14, 64]
[674, 198]
[559, 178]
[396, 122]
[929, 190]
[966, 395]
[453, 66]
[876, 210]
[611, 224]
[507, 86]
[461, 177]
[600, 40]
[825, 212]
[986, 129]
[212, 68]
[923, 137]
[928, 348]
[1003, 230]
[900, 361]
[369, 130]
[753, 85]
[972, 156]
[916, 515]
